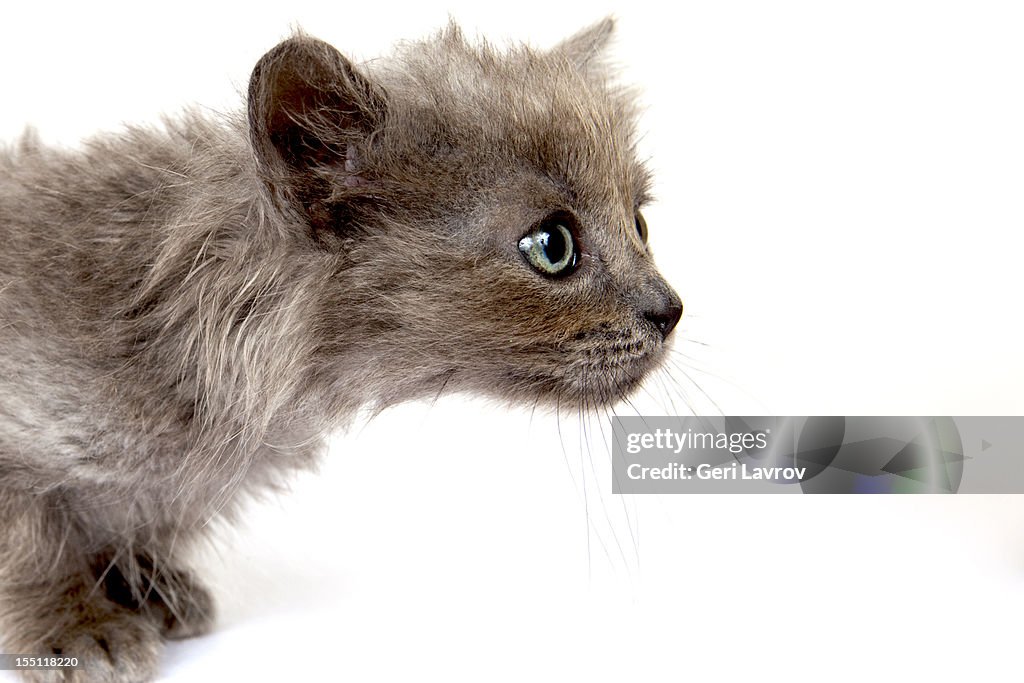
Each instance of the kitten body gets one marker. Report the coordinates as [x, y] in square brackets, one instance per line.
[185, 312]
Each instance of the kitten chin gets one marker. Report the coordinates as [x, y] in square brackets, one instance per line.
[186, 311]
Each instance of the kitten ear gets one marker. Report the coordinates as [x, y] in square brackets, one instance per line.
[309, 111]
[586, 48]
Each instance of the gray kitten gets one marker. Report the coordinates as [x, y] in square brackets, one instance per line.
[186, 312]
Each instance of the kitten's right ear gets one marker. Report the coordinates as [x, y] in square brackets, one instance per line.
[310, 111]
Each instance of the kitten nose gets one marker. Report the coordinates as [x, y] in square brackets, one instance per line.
[664, 311]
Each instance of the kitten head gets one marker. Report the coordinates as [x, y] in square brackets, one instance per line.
[480, 212]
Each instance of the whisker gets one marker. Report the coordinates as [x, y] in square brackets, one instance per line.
[615, 479]
[561, 440]
[585, 413]
[721, 378]
[586, 512]
[696, 384]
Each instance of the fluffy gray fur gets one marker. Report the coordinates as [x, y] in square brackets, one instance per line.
[186, 311]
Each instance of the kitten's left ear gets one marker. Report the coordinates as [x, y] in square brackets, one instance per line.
[310, 110]
[586, 49]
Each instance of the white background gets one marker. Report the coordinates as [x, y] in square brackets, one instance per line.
[840, 206]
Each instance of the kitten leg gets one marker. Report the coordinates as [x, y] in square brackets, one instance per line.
[112, 644]
[53, 600]
[170, 597]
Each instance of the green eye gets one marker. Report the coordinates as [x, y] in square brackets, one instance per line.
[550, 248]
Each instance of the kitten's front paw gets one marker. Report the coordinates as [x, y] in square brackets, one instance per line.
[112, 646]
[173, 599]
[183, 608]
